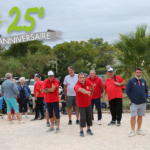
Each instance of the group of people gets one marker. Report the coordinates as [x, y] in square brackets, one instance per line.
[82, 93]
[13, 93]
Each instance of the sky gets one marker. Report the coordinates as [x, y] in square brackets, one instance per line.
[79, 19]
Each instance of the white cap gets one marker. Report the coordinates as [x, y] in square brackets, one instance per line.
[50, 73]
[110, 70]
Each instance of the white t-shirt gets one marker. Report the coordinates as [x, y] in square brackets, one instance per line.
[71, 82]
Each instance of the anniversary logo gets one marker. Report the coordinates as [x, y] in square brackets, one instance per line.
[49, 35]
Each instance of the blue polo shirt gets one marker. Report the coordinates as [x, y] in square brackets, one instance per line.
[137, 93]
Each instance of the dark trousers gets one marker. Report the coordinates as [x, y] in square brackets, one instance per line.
[22, 106]
[116, 109]
[85, 116]
[97, 103]
[63, 107]
[55, 107]
[39, 107]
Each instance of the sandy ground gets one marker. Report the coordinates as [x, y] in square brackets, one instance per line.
[33, 136]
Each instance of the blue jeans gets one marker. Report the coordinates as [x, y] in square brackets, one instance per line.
[11, 102]
[97, 103]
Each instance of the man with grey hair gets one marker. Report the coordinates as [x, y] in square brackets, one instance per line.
[96, 97]
[70, 95]
[10, 91]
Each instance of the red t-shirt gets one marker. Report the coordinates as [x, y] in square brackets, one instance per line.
[97, 87]
[51, 97]
[37, 87]
[113, 90]
[83, 100]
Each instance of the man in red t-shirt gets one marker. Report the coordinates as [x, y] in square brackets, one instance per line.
[39, 97]
[114, 91]
[51, 90]
[84, 90]
[98, 87]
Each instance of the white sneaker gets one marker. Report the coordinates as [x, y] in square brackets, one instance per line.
[10, 122]
[99, 122]
[132, 133]
[21, 122]
[26, 116]
[140, 132]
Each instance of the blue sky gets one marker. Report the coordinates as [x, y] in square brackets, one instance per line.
[79, 19]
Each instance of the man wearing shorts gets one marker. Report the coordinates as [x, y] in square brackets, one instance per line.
[70, 95]
[137, 92]
[84, 89]
[50, 88]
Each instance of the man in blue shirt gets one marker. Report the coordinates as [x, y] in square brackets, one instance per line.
[137, 92]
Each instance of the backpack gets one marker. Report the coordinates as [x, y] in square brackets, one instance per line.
[122, 86]
[104, 105]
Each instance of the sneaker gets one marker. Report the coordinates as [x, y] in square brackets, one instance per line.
[140, 132]
[65, 113]
[55, 123]
[50, 129]
[48, 124]
[10, 122]
[34, 119]
[73, 113]
[57, 130]
[112, 123]
[77, 122]
[41, 118]
[26, 116]
[132, 133]
[70, 122]
[82, 133]
[99, 122]
[89, 132]
[21, 122]
[118, 123]
[14, 118]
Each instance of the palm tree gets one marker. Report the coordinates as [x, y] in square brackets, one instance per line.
[134, 52]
